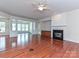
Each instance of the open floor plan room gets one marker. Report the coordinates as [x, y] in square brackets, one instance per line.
[39, 28]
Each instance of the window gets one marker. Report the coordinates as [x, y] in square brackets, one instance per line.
[13, 26]
[2, 26]
[23, 27]
[26, 27]
[34, 24]
[31, 27]
[18, 27]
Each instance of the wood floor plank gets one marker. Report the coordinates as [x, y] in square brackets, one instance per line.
[42, 48]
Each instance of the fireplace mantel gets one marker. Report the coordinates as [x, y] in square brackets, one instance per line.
[59, 26]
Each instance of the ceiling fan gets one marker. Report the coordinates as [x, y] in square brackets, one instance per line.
[41, 5]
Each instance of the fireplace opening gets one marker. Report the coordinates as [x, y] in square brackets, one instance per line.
[58, 34]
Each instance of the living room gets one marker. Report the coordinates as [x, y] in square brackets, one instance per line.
[39, 29]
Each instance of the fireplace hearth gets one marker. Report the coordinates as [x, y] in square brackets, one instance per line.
[58, 34]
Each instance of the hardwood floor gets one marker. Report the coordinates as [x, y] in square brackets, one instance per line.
[41, 47]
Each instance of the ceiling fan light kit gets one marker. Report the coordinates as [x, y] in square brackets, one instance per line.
[42, 5]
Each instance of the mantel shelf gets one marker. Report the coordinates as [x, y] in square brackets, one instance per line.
[59, 26]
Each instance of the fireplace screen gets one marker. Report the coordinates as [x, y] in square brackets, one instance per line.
[58, 34]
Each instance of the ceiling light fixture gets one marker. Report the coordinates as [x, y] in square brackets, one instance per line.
[42, 5]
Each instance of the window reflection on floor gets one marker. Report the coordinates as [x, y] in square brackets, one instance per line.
[22, 39]
[2, 44]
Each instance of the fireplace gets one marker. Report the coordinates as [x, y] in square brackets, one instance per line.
[58, 34]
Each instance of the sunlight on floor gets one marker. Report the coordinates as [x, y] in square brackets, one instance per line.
[2, 43]
[22, 39]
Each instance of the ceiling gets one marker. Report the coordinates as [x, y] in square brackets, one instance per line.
[24, 8]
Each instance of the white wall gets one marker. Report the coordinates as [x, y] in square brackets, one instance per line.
[59, 19]
[73, 25]
[44, 24]
[71, 21]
